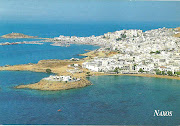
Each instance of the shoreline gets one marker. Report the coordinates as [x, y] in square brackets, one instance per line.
[142, 75]
[100, 40]
[44, 85]
[84, 67]
[55, 86]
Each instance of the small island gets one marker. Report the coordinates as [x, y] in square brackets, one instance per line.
[17, 35]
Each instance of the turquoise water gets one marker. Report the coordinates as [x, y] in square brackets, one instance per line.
[22, 54]
[32, 53]
[111, 100]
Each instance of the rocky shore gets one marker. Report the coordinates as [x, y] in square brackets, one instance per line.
[24, 42]
[54, 85]
[63, 67]
[59, 67]
[128, 55]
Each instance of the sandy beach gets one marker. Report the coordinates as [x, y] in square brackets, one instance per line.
[140, 75]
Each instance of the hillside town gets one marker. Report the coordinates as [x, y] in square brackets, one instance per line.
[154, 52]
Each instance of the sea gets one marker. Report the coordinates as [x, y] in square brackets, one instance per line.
[111, 100]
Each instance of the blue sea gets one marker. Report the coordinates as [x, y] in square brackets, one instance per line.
[117, 100]
[54, 30]
[124, 100]
[32, 53]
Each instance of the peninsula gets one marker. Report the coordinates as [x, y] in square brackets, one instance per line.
[69, 73]
[153, 53]
[56, 85]
[17, 35]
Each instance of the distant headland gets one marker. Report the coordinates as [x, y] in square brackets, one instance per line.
[17, 35]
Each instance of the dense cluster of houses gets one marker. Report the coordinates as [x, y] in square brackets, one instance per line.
[126, 63]
[148, 52]
[140, 52]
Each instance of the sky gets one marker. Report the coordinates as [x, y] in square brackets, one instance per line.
[88, 11]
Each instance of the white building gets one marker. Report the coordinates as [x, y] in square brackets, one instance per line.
[60, 78]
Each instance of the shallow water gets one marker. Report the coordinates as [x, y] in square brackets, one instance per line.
[32, 53]
[111, 100]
